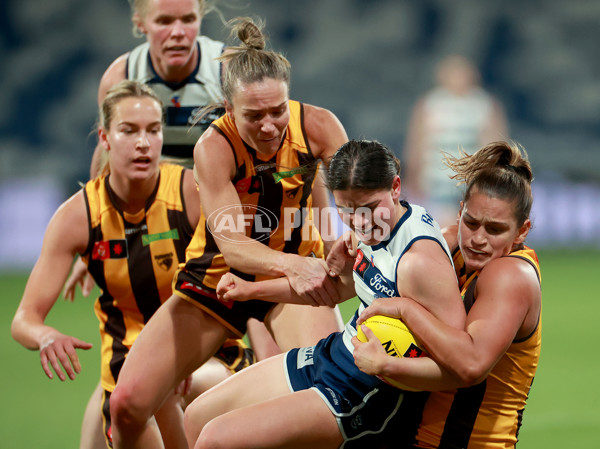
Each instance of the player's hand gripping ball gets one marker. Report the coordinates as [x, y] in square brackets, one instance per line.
[396, 339]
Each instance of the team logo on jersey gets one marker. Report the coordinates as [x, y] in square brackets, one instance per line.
[360, 265]
[175, 101]
[165, 261]
[249, 185]
[372, 276]
[110, 249]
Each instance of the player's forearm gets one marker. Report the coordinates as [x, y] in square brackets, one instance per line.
[275, 290]
[30, 333]
[249, 256]
[422, 373]
[452, 348]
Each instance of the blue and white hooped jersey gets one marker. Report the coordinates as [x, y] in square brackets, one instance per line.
[182, 100]
[375, 267]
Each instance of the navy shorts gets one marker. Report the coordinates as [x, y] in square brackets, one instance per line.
[362, 404]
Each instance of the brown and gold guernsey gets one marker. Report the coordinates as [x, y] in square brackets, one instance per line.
[150, 244]
[487, 415]
[275, 193]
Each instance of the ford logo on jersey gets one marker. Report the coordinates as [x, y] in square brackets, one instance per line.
[382, 286]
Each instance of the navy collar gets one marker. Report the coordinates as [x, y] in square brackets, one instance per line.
[405, 216]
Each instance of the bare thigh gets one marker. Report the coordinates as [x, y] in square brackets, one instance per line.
[206, 377]
[294, 420]
[177, 340]
[258, 382]
[92, 434]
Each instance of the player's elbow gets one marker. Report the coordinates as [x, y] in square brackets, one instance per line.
[471, 373]
[230, 258]
[16, 330]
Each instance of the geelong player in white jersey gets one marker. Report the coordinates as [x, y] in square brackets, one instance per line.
[317, 397]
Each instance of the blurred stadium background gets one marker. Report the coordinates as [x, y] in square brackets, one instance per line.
[366, 60]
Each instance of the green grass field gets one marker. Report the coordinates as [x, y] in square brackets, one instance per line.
[563, 409]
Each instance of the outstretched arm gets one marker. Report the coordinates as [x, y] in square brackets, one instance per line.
[221, 204]
[66, 235]
[233, 288]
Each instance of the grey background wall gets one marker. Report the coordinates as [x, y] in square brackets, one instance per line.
[366, 60]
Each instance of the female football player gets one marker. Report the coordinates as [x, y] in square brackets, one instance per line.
[131, 226]
[316, 396]
[493, 360]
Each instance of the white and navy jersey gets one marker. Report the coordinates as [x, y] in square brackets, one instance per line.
[182, 100]
[375, 267]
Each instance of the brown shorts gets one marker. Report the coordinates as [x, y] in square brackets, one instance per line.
[232, 314]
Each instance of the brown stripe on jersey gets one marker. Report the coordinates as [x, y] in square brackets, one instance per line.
[304, 160]
[144, 287]
[469, 296]
[303, 128]
[115, 323]
[197, 266]
[271, 196]
[178, 220]
[459, 266]
[462, 416]
[88, 250]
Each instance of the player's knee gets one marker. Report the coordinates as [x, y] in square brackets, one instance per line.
[193, 422]
[213, 436]
[127, 407]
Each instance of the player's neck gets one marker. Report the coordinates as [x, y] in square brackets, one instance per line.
[132, 196]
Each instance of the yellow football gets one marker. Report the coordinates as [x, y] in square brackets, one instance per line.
[396, 339]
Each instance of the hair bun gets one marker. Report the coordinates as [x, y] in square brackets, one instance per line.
[249, 33]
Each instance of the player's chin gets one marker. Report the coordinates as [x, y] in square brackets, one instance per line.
[476, 262]
[373, 237]
[141, 174]
[177, 58]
